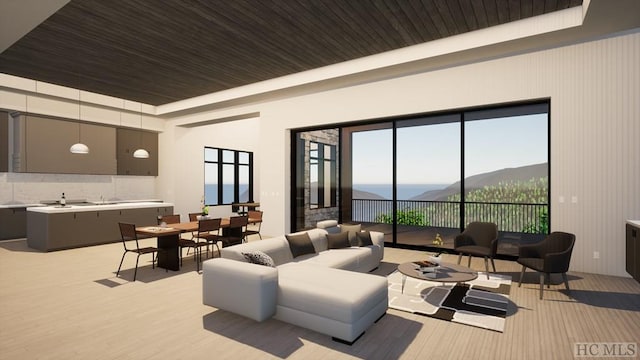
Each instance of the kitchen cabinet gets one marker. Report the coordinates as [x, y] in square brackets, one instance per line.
[128, 141]
[4, 141]
[51, 228]
[41, 145]
[13, 223]
[633, 249]
[47, 142]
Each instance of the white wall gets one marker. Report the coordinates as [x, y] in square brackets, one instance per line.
[181, 171]
[594, 89]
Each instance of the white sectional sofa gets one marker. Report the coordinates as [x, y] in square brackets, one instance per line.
[328, 291]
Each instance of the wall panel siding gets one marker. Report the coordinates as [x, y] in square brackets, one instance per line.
[595, 131]
[594, 89]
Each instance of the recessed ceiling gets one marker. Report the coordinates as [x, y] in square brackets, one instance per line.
[158, 52]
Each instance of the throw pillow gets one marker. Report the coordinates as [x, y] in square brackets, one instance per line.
[260, 258]
[300, 244]
[364, 238]
[338, 241]
[351, 230]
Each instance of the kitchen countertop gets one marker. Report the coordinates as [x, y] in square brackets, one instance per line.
[13, 206]
[635, 223]
[113, 206]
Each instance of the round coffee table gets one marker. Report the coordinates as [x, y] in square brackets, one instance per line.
[445, 273]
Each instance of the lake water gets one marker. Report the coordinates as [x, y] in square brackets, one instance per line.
[211, 193]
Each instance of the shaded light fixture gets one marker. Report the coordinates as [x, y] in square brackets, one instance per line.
[79, 147]
[141, 153]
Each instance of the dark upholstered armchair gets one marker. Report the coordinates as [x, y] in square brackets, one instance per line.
[550, 256]
[478, 239]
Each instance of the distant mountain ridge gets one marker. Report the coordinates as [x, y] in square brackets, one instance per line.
[366, 195]
[523, 173]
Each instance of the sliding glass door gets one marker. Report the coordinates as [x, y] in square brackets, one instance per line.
[422, 179]
[427, 174]
[507, 172]
[367, 177]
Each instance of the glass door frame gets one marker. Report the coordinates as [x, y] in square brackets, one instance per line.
[345, 175]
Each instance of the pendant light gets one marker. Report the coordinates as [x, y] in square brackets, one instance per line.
[141, 153]
[79, 147]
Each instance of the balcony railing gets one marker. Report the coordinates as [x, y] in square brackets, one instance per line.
[512, 217]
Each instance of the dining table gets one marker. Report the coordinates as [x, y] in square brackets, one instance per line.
[168, 239]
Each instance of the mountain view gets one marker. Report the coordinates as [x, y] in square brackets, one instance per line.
[475, 182]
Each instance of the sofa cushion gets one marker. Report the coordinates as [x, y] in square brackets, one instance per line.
[336, 294]
[277, 248]
[245, 289]
[351, 230]
[351, 258]
[300, 244]
[326, 224]
[364, 238]
[330, 226]
[258, 257]
[338, 241]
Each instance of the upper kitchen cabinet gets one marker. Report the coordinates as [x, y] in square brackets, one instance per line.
[129, 140]
[46, 142]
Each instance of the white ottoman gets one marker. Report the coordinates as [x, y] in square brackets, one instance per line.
[338, 303]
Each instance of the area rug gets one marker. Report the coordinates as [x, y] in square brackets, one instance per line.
[482, 302]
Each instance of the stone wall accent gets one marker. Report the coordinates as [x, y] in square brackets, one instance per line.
[330, 137]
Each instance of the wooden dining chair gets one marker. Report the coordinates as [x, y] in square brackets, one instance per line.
[169, 219]
[192, 218]
[256, 223]
[234, 233]
[208, 231]
[128, 233]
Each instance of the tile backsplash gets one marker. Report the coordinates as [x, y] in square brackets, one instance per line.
[29, 188]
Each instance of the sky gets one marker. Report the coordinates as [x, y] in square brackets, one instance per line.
[430, 154]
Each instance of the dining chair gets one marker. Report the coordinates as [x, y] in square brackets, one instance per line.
[255, 217]
[478, 239]
[128, 233]
[234, 233]
[208, 231]
[193, 217]
[169, 219]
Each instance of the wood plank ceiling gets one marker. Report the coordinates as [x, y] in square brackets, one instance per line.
[158, 52]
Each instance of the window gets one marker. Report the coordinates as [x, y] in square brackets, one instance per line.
[420, 179]
[228, 176]
[322, 175]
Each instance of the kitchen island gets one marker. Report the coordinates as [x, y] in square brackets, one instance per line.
[13, 218]
[63, 227]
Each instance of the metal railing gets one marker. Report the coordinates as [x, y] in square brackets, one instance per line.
[513, 217]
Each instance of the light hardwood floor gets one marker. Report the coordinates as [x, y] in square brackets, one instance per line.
[70, 305]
